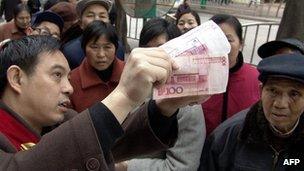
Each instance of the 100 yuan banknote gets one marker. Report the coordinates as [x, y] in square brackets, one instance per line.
[202, 56]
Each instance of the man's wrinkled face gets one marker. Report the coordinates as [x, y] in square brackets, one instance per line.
[285, 50]
[283, 102]
[46, 91]
[47, 28]
[94, 12]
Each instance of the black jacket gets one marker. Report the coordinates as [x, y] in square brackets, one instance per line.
[245, 142]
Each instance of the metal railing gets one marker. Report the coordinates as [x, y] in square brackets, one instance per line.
[242, 7]
[134, 26]
[254, 35]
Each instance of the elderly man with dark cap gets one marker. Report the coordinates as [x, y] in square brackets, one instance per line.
[88, 11]
[48, 23]
[281, 46]
[269, 135]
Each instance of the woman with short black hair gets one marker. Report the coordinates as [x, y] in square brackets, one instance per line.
[157, 28]
[99, 73]
[187, 20]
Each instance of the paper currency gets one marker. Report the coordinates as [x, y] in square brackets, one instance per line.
[202, 55]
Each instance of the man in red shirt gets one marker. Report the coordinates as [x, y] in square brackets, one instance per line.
[35, 90]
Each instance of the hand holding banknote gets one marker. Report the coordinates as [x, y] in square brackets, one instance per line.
[168, 106]
[202, 56]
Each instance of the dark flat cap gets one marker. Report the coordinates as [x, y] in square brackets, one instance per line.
[283, 65]
[50, 17]
[83, 4]
[270, 48]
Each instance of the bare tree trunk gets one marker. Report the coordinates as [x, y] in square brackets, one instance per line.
[292, 24]
[121, 25]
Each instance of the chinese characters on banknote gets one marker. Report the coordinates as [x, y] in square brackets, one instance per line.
[202, 56]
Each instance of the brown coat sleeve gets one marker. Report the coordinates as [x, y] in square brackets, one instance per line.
[75, 145]
[139, 139]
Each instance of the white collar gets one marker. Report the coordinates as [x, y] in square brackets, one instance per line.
[279, 133]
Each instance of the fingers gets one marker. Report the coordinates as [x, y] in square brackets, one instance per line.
[179, 102]
[203, 99]
[174, 65]
[162, 64]
[197, 99]
[145, 68]
[156, 61]
[152, 52]
[160, 53]
[170, 105]
[157, 53]
[152, 73]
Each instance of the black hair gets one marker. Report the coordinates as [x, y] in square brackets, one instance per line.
[49, 3]
[95, 30]
[19, 8]
[71, 33]
[24, 53]
[113, 14]
[156, 27]
[232, 21]
[194, 13]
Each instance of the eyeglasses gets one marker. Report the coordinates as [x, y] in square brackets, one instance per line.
[47, 32]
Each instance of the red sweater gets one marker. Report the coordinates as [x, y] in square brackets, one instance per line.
[16, 131]
[242, 92]
[89, 88]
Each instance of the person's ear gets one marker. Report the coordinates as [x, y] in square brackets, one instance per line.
[261, 88]
[14, 77]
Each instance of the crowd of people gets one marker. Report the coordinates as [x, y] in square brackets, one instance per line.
[70, 100]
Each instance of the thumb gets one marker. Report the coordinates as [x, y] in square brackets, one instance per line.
[174, 64]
